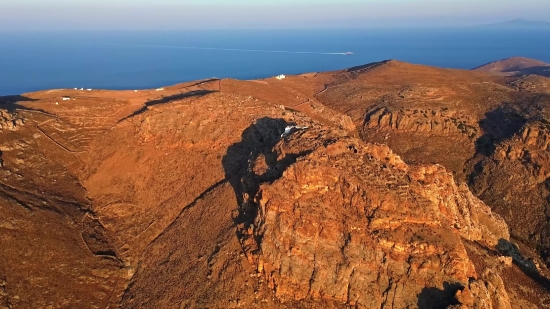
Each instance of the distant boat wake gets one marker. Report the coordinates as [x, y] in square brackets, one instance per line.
[230, 49]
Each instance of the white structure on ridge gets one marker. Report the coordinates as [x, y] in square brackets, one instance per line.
[289, 129]
[279, 77]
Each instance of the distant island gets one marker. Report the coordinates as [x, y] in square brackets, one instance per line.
[520, 23]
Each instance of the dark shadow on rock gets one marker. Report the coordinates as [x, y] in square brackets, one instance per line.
[535, 70]
[16, 107]
[373, 111]
[179, 96]
[257, 140]
[478, 170]
[434, 298]
[96, 238]
[11, 104]
[544, 245]
[366, 66]
[204, 81]
[4, 297]
[498, 125]
[14, 99]
[526, 265]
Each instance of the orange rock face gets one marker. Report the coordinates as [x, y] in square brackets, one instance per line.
[352, 222]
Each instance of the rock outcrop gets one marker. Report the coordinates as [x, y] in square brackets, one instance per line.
[353, 223]
[515, 180]
[442, 121]
[532, 83]
[9, 121]
[488, 292]
[4, 297]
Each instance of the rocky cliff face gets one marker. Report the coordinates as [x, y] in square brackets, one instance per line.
[515, 180]
[487, 292]
[430, 115]
[426, 121]
[353, 223]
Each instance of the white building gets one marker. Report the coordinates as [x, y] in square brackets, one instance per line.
[280, 77]
[66, 98]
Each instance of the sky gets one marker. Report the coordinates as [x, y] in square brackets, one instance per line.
[259, 14]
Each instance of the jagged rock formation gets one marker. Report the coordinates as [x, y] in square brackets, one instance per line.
[9, 121]
[487, 293]
[331, 227]
[442, 121]
[514, 179]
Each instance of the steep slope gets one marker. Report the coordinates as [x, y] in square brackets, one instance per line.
[55, 253]
[52, 254]
[515, 177]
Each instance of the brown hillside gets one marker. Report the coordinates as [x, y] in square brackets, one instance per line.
[195, 197]
[516, 66]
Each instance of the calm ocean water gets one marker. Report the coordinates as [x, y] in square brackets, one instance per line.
[134, 60]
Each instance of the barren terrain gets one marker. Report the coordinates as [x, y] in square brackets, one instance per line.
[388, 185]
[516, 66]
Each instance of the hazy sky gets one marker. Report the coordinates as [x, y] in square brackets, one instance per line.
[216, 14]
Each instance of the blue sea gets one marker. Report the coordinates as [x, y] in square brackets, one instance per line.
[31, 61]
